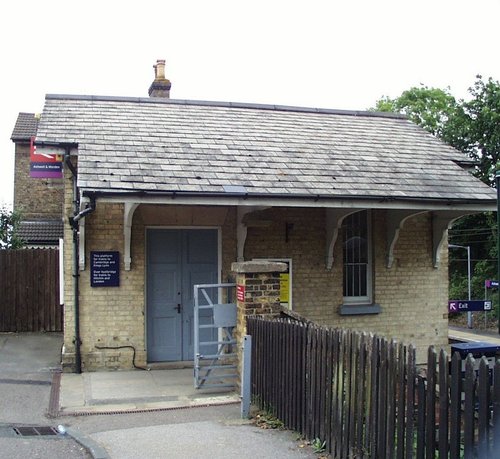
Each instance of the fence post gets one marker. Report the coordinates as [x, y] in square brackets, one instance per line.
[455, 404]
[483, 392]
[410, 402]
[246, 376]
[496, 406]
[430, 420]
[470, 399]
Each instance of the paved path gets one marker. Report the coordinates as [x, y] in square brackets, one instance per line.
[159, 414]
[209, 432]
[135, 390]
[179, 430]
[27, 361]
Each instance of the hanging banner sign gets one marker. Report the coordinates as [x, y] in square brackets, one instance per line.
[45, 162]
[468, 305]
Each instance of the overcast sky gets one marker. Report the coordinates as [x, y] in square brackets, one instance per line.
[341, 54]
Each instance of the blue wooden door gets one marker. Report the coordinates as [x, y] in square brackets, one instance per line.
[177, 259]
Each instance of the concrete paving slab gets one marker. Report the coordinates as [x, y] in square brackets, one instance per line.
[135, 390]
[201, 440]
[71, 390]
[30, 354]
[28, 364]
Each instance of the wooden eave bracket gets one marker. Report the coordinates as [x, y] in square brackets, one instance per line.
[128, 214]
[242, 228]
[395, 221]
[441, 223]
[334, 220]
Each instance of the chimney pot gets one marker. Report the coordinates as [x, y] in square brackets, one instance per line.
[159, 69]
[160, 87]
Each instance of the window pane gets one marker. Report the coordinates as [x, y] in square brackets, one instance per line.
[356, 255]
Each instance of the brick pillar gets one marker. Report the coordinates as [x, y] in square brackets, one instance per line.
[257, 293]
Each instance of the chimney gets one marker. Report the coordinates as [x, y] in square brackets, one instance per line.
[160, 87]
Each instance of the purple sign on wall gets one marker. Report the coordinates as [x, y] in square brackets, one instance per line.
[104, 269]
[46, 170]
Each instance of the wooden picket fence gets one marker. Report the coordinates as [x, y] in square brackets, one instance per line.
[29, 290]
[365, 397]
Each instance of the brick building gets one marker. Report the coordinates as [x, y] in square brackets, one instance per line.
[39, 200]
[357, 203]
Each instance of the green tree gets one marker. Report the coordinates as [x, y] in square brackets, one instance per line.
[430, 108]
[475, 127]
[9, 227]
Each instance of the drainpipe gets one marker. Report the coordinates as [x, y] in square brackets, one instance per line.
[77, 216]
[76, 300]
[73, 221]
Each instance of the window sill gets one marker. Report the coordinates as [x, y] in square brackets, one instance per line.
[359, 309]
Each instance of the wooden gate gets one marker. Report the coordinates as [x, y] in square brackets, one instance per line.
[29, 290]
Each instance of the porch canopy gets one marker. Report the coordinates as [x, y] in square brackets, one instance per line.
[180, 152]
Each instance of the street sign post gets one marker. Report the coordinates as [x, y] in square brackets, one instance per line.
[468, 305]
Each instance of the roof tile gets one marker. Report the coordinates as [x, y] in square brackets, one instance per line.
[150, 145]
[41, 232]
[25, 128]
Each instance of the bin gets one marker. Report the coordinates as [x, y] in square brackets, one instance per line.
[478, 349]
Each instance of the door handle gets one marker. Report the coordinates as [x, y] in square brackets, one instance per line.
[178, 307]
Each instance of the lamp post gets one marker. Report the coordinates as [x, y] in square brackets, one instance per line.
[467, 247]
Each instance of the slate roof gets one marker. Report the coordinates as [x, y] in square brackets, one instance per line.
[25, 127]
[41, 232]
[165, 145]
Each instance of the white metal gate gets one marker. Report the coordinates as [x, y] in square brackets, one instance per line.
[215, 360]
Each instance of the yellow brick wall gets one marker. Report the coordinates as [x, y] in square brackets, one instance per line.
[115, 316]
[111, 316]
[35, 197]
[412, 294]
[316, 291]
[68, 357]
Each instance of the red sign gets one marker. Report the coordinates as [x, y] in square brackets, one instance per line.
[240, 292]
[45, 162]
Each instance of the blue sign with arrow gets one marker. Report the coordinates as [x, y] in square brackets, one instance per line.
[468, 305]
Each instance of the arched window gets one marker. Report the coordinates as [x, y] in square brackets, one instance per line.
[357, 258]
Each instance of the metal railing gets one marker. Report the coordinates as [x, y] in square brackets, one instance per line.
[214, 341]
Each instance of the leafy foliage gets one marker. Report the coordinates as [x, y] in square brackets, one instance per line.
[9, 225]
[319, 446]
[430, 108]
[266, 420]
[475, 128]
